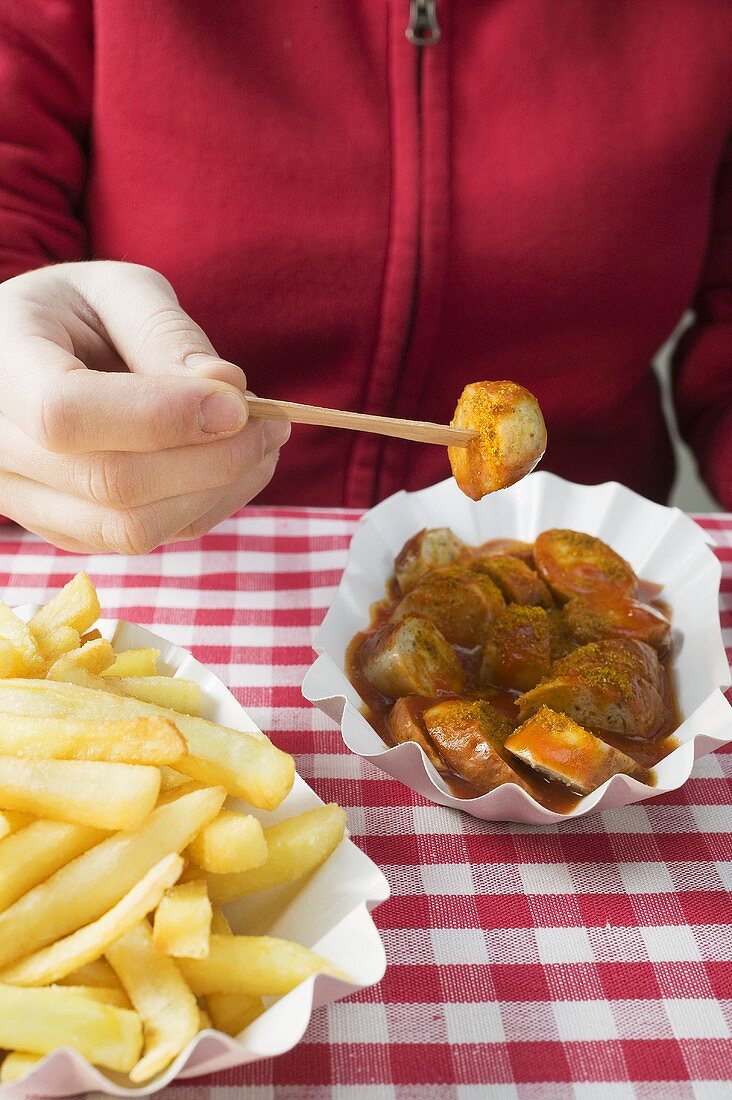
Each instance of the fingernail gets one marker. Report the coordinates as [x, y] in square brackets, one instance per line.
[221, 412]
[201, 359]
[276, 434]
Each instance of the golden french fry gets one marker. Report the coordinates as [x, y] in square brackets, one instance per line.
[76, 606]
[171, 692]
[12, 820]
[232, 842]
[175, 792]
[17, 633]
[231, 1012]
[182, 925]
[89, 636]
[11, 662]
[171, 780]
[95, 656]
[40, 1020]
[16, 1064]
[125, 741]
[105, 796]
[37, 851]
[134, 662]
[56, 643]
[260, 965]
[95, 881]
[168, 1009]
[97, 974]
[295, 847]
[247, 765]
[63, 957]
[104, 995]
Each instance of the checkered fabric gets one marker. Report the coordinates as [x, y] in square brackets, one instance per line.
[591, 959]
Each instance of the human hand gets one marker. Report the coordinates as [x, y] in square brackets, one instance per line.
[120, 428]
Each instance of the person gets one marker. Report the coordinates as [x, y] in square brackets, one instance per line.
[364, 205]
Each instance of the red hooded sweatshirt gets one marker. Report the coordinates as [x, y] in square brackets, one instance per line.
[369, 222]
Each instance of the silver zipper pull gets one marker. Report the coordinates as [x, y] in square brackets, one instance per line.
[423, 29]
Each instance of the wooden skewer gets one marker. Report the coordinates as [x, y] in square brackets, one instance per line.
[419, 430]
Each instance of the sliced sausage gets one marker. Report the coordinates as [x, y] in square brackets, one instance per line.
[517, 582]
[513, 547]
[410, 657]
[405, 723]
[555, 745]
[517, 653]
[470, 737]
[461, 602]
[613, 685]
[606, 613]
[428, 549]
[573, 564]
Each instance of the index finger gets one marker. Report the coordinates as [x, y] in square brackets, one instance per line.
[72, 410]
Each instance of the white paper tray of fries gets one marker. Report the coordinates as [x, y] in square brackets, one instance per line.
[328, 911]
[663, 545]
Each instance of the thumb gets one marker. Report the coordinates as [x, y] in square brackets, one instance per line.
[144, 320]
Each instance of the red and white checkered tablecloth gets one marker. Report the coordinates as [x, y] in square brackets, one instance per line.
[590, 960]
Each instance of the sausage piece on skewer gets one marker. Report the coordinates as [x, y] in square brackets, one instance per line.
[511, 437]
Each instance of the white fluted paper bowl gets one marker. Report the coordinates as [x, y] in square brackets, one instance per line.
[662, 544]
[329, 913]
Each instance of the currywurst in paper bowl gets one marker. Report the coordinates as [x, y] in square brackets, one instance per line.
[661, 544]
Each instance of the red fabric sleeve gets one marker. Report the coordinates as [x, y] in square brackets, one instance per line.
[45, 99]
[703, 358]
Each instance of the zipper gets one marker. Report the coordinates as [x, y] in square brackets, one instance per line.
[423, 29]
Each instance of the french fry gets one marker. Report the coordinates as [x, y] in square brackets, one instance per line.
[56, 643]
[95, 881]
[104, 995]
[16, 1064]
[105, 796]
[76, 606]
[172, 780]
[247, 765]
[231, 1012]
[167, 1007]
[295, 847]
[63, 957]
[182, 925]
[37, 851]
[134, 662]
[12, 820]
[175, 792]
[19, 636]
[11, 662]
[89, 636]
[124, 741]
[259, 965]
[98, 974]
[40, 1020]
[95, 656]
[232, 842]
[170, 692]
